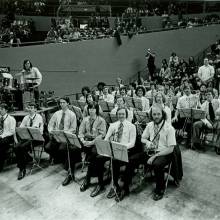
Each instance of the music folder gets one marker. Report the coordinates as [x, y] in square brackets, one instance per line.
[120, 151]
[36, 134]
[103, 148]
[28, 133]
[59, 136]
[191, 113]
[23, 133]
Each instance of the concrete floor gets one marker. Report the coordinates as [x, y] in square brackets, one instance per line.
[41, 195]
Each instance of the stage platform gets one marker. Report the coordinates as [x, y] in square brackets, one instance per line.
[41, 195]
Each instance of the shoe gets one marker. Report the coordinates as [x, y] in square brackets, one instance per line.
[67, 180]
[121, 195]
[97, 190]
[111, 193]
[84, 186]
[158, 195]
[21, 174]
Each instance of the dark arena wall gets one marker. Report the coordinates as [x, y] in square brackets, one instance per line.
[67, 67]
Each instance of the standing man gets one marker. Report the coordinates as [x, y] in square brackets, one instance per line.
[150, 56]
[32, 120]
[7, 131]
[206, 72]
[63, 120]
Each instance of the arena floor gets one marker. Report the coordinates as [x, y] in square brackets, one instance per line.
[41, 195]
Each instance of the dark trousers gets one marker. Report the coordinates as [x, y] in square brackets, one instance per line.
[96, 165]
[158, 166]
[21, 151]
[59, 153]
[198, 127]
[4, 147]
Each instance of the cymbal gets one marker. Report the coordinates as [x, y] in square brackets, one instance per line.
[32, 78]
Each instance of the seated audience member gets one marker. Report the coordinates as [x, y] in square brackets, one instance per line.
[174, 59]
[107, 97]
[99, 91]
[32, 120]
[131, 91]
[116, 91]
[93, 127]
[165, 72]
[140, 93]
[120, 103]
[85, 90]
[90, 100]
[119, 82]
[161, 100]
[63, 120]
[124, 132]
[7, 131]
[211, 106]
[206, 72]
[159, 136]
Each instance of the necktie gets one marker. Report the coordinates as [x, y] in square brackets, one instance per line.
[31, 121]
[91, 122]
[61, 125]
[157, 138]
[211, 112]
[120, 132]
[1, 126]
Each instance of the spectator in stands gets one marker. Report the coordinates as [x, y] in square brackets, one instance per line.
[150, 94]
[206, 72]
[123, 91]
[174, 59]
[165, 72]
[51, 35]
[106, 95]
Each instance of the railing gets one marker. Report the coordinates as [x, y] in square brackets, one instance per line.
[4, 45]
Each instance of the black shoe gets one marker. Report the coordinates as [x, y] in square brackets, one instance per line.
[21, 174]
[121, 195]
[84, 186]
[67, 181]
[158, 195]
[97, 190]
[111, 193]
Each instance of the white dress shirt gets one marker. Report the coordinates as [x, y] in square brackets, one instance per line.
[187, 101]
[206, 72]
[215, 105]
[9, 125]
[33, 73]
[128, 136]
[167, 136]
[69, 121]
[37, 122]
[108, 98]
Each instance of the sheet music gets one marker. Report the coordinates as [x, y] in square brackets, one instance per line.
[73, 139]
[59, 136]
[36, 135]
[103, 148]
[120, 151]
[23, 133]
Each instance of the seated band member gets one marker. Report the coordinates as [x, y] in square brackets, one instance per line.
[140, 93]
[124, 132]
[7, 131]
[211, 106]
[89, 100]
[106, 95]
[159, 98]
[120, 103]
[63, 120]
[33, 120]
[93, 127]
[159, 136]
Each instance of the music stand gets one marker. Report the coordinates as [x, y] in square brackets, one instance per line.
[70, 140]
[32, 134]
[190, 114]
[115, 151]
[106, 106]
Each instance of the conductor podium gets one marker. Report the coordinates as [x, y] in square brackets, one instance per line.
[113, 150]
[32, 135]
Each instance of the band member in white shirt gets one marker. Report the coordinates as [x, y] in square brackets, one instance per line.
[7, 131]
[211, 106]
[32, 120]
[107, 97]
[63, 120]
[123, 132]
[93, 127]
[159, 136]
[140, 93]
[206, 72]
